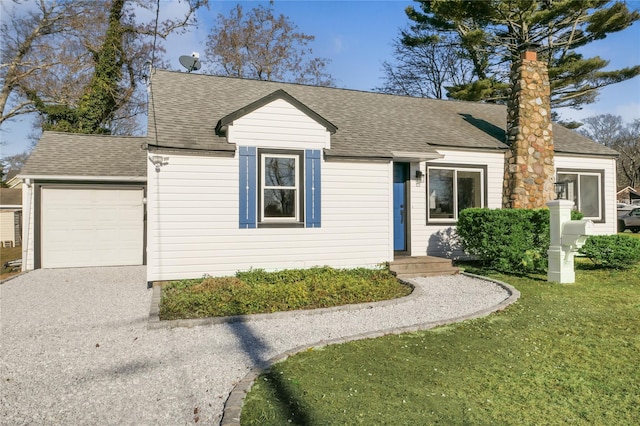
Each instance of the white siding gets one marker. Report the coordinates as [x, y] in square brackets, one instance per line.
[609, 226]
[7, 226]
[193, 224]
[432, 239]
[278, 125]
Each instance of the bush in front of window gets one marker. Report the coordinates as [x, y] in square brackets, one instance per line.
[509, 240]
[612, 251]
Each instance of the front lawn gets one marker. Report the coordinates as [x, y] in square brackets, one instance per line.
[563, 354]
[258, 291]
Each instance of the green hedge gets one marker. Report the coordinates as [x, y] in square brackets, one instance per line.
[612, 251]
[510, 240]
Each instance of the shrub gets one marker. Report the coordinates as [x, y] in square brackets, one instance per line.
[261, 291]
[510, 240]
[612, 251]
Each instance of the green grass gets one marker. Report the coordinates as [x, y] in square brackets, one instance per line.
[630, 234]
[7, 254]
[258, 291]
[563, 354]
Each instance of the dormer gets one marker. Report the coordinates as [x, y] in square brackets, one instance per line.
[277, 121]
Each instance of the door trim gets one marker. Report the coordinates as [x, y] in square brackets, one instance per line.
[407, 202]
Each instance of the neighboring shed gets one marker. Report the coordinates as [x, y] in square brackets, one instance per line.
[10, 217]
[629, 195]
[84, 201]
[12, 179]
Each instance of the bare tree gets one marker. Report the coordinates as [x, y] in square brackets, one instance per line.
[15, 162]
[259, 45]
[629, 161]
[609, 130]
[425, 70]
[51, 49]
[24, 33]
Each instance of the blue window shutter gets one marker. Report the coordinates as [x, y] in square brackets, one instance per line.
[312, 188]
[248, 182]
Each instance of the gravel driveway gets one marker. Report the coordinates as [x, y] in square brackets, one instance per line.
[75, 348]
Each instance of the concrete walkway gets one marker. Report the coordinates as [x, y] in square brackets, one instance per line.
[77, 346]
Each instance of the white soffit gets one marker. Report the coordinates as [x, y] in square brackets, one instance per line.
[415, 156]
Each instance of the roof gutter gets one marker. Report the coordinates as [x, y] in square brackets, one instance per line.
[415, 156]
[86, 178]
[583, 154]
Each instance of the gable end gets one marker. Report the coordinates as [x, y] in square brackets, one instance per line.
[278, 94]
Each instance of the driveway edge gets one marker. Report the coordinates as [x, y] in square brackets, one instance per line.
[233, 405]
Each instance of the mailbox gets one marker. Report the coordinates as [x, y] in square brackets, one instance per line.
[566, 238]
[575, 233]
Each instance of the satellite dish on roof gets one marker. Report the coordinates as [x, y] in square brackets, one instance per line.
[191, 63]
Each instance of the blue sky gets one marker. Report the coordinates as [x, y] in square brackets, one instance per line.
[357, 36]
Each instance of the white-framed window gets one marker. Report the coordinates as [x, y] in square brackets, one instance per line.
[453, 188]
[280, 188]
[585, 189]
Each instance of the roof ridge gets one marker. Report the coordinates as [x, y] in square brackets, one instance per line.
[96, 135]
[344, 89]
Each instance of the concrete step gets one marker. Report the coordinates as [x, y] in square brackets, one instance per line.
[422, 266]
[454, 271]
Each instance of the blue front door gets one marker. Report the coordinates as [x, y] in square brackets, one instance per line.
[400, 173]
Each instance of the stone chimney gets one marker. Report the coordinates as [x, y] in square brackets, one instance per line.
[529, 169]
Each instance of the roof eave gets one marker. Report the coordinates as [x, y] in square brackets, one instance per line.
[587, 154]
[75, 178]
[415, 156]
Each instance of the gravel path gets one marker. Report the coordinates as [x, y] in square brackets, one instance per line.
[75, 348]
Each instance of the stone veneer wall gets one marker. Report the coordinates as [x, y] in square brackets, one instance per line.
[529, 170]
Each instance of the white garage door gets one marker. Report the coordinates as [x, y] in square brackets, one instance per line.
[91, 227]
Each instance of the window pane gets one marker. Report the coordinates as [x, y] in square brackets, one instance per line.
[280, 171]
[469, 190]
[440, 194]
[589, 194]
[280, 203]
[572, 186]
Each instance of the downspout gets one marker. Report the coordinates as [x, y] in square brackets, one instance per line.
[26, 226]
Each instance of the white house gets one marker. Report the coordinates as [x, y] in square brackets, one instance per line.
[241, 174]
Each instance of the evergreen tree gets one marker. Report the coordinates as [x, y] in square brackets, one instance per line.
[492, 34]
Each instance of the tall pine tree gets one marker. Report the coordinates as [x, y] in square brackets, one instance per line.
[492, 33]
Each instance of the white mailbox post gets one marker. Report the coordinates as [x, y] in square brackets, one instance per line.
[567, 237]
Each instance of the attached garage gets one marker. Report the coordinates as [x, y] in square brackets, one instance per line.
[84, 202]
[91, 226]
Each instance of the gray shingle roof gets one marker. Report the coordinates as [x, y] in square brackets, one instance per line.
[70, 154]
[188, 107]
[10, 197]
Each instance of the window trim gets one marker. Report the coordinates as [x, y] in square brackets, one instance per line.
[276, 222]
[456, 168]
[601, 199]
